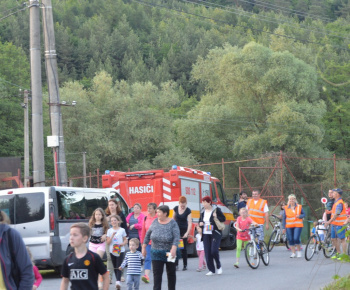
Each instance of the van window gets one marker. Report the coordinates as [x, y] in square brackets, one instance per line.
[79, 204]
[24, 208]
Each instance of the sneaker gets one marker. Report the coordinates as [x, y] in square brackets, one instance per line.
[210, 273]
[184, 268]
[298, 254]
[117, 285]
[292, 255]
[122, 279]
[336, 256]
[199, 270]
[236, 265]
[220, 271]
[145, 278]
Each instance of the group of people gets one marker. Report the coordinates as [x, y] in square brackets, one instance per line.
[160, 236]
[255, 211]
[155, 240]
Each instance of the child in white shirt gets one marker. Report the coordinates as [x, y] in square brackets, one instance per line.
[200, 249]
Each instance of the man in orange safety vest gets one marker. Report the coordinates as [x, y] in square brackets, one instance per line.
[337, 221]
[258, 211]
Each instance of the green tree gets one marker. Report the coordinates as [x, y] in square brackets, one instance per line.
[251, 91]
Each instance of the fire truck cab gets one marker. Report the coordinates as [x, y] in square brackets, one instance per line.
[165, 188]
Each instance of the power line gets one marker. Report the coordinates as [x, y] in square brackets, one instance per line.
[280, 8]
[261, 17]
[8, 10]
[243, 26]
[240, 123]
[4, 17]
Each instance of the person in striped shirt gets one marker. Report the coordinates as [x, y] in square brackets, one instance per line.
[133, 261]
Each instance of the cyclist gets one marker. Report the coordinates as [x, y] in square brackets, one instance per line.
[243, 222]
[293, 224]
[259, 212]
[337, 221]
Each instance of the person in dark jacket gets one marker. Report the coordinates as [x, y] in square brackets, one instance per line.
[17, 253]
[211, 235]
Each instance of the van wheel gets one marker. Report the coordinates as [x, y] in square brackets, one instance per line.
[230, 241]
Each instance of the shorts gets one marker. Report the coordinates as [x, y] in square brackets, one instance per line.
[335, 234]
[97, 247]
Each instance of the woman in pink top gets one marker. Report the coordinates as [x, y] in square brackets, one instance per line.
[134, 222]
[148, 220]
[243, 222]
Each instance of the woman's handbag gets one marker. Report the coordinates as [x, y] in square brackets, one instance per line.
[220, 225]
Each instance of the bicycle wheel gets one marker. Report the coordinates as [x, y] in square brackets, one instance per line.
[252, 256]
[328, 248]
[264, 252]
[272, 241]
[284, 238]
[310, 248]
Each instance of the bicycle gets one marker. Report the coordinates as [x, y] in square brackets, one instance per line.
[277, 235]
[315, 244]
[254, 251]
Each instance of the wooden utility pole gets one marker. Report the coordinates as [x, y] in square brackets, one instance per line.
[37, 98]
[52, 81]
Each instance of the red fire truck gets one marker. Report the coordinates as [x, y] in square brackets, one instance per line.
[165, 188]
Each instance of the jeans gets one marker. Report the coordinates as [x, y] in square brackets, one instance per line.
[211, 250]
[133, 280]
[158, 268]
[293, 236]
[148, 260]
[117, 261]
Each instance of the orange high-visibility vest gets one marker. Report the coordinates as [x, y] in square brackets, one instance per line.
[256, 211]
[339, 221]
[291, 220]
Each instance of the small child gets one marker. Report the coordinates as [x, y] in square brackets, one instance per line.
[83, 266]
[133, 260]
[243, 222]
[37, 276]
[313, 230]
[321, 229]
[200, 249]
[116, 239]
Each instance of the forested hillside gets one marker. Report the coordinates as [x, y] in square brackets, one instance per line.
[184, 82]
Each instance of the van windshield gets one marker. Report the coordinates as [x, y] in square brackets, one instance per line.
[23, 208]
[79, 204]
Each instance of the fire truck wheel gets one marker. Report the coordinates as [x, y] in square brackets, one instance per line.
[230, 241]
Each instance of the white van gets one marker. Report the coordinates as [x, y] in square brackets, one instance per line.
[43, 216]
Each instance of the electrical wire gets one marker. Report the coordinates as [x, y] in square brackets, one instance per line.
[4, 17]
[261, 17]
[243, 26]
[280, 8]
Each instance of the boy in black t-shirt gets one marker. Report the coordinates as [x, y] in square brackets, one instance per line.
[82, 267]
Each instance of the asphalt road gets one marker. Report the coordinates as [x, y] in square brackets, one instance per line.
[282, 273]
